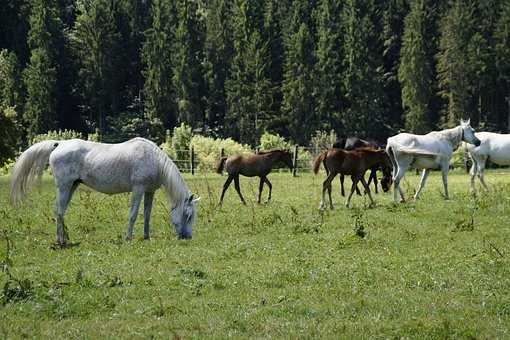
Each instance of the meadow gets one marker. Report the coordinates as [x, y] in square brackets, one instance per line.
[425, 269]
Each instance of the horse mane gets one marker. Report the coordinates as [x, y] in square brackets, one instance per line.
[174, 184]
[271, 151]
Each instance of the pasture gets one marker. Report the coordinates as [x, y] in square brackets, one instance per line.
[426, 269]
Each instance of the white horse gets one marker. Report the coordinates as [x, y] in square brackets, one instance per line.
[430, 151]
[495, 147]
[136, 166]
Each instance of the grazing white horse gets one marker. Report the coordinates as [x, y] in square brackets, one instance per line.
[136, 166]
[494, 147]
[430, 151]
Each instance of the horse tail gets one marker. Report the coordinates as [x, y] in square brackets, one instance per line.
[221, 165]
[318, 160]
[29, 168]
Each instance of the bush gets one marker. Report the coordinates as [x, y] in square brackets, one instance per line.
[56, 135]
[178, 144]
[208, 150]
[269, 141]
[323, 140]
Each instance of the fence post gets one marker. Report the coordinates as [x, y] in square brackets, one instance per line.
[222, 153]
[192, 160]
[294, 161]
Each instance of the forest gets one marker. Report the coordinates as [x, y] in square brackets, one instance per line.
[239, 68]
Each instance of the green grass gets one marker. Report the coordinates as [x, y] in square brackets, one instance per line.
[415, 270]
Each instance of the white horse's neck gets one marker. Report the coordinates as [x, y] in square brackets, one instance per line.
[453, 136]
[174, 184]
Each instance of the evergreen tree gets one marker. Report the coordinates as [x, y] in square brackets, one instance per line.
[416, 70]
[502, 57]
[218, 51]
[97, 43]
[157, 59]
[247, 86]
[363, 85]
[188, 80]
[41, 74]
[455, 68]
[297, 88]
[328, 69]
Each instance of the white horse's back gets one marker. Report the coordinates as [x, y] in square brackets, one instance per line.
[494, 146]
[109, 168]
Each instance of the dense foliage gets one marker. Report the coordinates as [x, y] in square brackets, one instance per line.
[241, 68]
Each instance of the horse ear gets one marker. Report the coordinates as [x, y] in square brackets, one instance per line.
[468, 122]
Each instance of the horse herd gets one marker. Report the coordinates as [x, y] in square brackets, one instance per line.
[139, 166]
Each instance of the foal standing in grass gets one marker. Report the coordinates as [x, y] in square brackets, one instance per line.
[349, 162]
[137, 166]
[259, 165]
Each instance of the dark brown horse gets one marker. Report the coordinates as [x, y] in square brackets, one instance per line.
[259, 164]
[351, 143]
[349, 162]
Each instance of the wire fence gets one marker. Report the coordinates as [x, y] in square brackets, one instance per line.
[188, 161]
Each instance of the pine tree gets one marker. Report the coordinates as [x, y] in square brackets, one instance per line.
[455, 63]
[218, 51]
[502, 57]
[248, 87]
[158, 59]
[97, 43]
[363, 87]
[41, 74]
[297, 88]
[328, 69]
[188, 80]
[415, 72]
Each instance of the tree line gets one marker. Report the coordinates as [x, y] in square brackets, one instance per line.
[238, 68]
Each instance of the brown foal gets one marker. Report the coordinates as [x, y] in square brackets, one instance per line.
[259, 164]
[349, 162]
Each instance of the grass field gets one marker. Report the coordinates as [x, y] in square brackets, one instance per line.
[426, 269]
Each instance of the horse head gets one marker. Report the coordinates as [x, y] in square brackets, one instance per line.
[183, 216]
[468, 133]
[286, 158]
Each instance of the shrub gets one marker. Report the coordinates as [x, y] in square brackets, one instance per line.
[208, 150]
[323, 140]
[269, 141]
[57, 135]
[178, 144]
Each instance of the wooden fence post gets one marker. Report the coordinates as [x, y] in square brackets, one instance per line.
[222, 153]
[192, 160]
[294, 161]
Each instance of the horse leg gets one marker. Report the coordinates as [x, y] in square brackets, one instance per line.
[353, 188]
[64, 194]
[238, 189]
[367, 190]
[225, 187]
[261, 187]
[396, 184]
[147, 207]
[325, 186]
[472, 173]
[444, 173]
[342, 177]
[373, 177]
[270, 188]
[423, 179]
[481, 174]
[136, 199]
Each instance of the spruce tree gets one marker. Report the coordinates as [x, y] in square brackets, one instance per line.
[97, 43]
[502, 57]
[157, 59]
[415, 72]
[363, 64]
[328, 69]
[40, 76]
[187, 74]
[297, 87]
